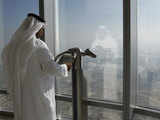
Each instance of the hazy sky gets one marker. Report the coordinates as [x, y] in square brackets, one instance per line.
[80, 20]
[14, 11]
[149, 25]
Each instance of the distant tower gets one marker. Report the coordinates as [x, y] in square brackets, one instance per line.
[105, 46]
[105, 40]
[97, 82]
[145, 78]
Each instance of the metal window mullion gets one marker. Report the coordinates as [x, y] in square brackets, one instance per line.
[133, 54]
[147, 112]
[130, 56]
[104, 104]
[51, 31]
[61, 97]
[41, 8]
[51, 28]
[92, 102]
[41, 13]
[52, 39]
[126, 59]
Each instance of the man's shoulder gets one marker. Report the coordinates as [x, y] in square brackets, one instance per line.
[42, 49]
[41, 45]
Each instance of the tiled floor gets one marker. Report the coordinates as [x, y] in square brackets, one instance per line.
[5, 103]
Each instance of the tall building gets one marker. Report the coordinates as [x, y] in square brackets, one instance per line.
[111, 83]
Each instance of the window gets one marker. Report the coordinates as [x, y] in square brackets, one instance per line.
[98, 26]
[12, 12]
[82, 24]
[123, 81]
[148, 54]
[119, 86]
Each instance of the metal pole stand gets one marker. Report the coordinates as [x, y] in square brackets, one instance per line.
[79, 84]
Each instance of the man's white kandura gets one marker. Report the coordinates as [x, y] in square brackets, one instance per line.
[30, 70]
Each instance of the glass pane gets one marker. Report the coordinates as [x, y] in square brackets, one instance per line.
[143, 117]
[148, 53]
[96, 113]
[95, 24]
[12, 12]
[64, 85]
[64, 110]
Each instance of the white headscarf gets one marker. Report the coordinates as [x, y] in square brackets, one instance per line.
[17, 53]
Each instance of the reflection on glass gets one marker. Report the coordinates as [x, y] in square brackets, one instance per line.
[143, 117]
[12, 12]
[64, 110]
[96, 25]
[64, 85]
[148, 53]
[96, 113]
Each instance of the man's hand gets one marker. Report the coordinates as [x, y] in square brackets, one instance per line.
[69, 66]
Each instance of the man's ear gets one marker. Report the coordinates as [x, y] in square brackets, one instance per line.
[37, 35]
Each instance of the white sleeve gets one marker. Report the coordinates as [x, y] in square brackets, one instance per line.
[48, 65]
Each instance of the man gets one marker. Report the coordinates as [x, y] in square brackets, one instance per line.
[30, 70]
